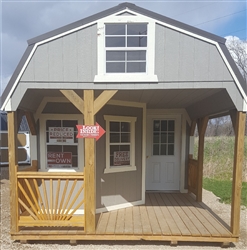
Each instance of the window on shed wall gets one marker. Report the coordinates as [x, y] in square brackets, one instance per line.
[61, 144]
[120, 144]
[126, 47]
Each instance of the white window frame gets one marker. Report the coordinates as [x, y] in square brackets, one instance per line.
[143, 77]
[43, 144]
[132, 166]
[127, 49]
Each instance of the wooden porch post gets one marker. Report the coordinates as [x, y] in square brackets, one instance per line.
[89, 170]
[202, 125]
[13, 165]
[239, 127]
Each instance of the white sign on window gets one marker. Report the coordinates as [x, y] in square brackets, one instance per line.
[58, 134]
[121, 158]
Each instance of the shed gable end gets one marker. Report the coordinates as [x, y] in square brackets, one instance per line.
[180, 58]
[71, 58]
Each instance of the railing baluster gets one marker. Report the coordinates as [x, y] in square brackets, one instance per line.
[42, 209]
[46, 200]
[57, 198]
[62, 200]
[68, 198]
[51, 198]
[34, 198]
[28, 200]
[73, 201]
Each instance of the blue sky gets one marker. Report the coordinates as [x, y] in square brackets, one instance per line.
[22, 20]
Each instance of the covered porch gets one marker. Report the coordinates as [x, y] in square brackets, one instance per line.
[171, 217]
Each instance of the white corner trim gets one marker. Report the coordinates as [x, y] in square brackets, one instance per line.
[144, 149]
[8, 106]
[182, 153]
[116, 207]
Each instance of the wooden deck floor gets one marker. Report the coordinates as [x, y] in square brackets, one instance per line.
[163, 215]
[167, 217]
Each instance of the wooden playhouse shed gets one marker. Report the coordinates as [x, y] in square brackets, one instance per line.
[147, 80]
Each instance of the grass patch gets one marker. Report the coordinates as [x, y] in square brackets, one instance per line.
[219, 156]
[223, 189]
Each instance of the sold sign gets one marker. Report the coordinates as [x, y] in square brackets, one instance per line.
[90, 131]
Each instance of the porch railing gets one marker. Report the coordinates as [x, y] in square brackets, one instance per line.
[192, 181]
[50, 199]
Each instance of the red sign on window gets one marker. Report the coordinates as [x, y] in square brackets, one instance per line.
[90, 131]
[59, 159]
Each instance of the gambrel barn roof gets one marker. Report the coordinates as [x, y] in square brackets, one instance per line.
[168, 22]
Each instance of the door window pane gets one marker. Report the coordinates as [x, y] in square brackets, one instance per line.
[171, 125]
[171, 149]
[156, 138]
[156, 149]
[163, 137]
[163, 149]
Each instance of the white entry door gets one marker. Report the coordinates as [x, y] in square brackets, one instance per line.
[163, 153]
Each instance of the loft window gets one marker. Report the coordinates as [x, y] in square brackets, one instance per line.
[126, 48]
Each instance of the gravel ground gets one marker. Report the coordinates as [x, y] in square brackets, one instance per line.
[209, 199]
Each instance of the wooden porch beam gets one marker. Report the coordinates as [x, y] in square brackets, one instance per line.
[75, 99]
[31, 122]
[102, 99]
[192, 128]
[20, 114]
[13, 165]
[233, 115]
[89, 169]
[237, 171]
[202, 126]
